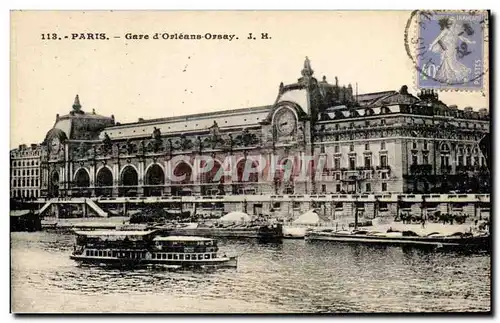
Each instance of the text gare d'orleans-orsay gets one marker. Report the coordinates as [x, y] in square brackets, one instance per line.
[154, 36]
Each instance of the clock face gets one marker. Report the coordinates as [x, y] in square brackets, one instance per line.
[285, 121]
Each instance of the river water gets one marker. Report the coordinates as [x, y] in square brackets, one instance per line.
[295, 276]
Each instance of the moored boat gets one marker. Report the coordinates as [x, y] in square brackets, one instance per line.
[479, 240]
[136, 248]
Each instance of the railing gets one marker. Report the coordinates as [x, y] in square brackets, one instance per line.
[425, 169]
[461, 169]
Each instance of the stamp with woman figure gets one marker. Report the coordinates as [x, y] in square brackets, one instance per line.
[450, 52]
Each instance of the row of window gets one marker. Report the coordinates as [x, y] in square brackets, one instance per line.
[383, 175]
[142, 255]
[425, 146]
[20, 163]
[351, 147]
[24, 182]
[25, 153]
[368, 187]
[25, 194]
[383, 161]
[445, 147]
[412, 121]
[338, 189]
[339, 206]
[25, 172]
[445, 160]
[183, 256]
[123, 254]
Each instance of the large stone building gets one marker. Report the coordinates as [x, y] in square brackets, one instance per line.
[388, 141]
[317, 138]
[25, 172]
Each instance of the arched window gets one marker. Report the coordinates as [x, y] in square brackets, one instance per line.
[129, 181]
[154, 180]
[181, 179]
[82, 178]
[104, 182]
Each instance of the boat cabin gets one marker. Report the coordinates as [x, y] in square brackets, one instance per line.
[114, 239]
[184, 248]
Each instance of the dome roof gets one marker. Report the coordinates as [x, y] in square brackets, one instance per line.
[80, 125]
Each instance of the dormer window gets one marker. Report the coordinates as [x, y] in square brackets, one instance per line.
[368, 112]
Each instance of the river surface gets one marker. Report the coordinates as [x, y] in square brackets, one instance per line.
[293, 277]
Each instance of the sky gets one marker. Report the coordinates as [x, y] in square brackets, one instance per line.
[133, 79]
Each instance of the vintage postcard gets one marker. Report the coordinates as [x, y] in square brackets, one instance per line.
[250, 162]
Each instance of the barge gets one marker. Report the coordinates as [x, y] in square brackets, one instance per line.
[264, 233]
[24, 220]
[479, 240]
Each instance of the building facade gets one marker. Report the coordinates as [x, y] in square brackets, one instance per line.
[389, 141]
[318, 143]
[25, 172]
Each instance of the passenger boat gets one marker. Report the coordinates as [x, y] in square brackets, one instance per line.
[136, 248]
[479, 240]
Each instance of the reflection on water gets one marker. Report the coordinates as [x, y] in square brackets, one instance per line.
[295, 276]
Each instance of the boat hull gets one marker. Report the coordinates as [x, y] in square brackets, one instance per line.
[223, 262]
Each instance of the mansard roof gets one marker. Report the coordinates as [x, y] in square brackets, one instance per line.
[80, 125]
[238, 118]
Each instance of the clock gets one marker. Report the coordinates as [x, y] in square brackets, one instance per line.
[285, 121]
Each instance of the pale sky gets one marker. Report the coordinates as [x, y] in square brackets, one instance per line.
[161, 78]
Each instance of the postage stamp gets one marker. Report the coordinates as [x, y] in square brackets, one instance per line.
[450, 52]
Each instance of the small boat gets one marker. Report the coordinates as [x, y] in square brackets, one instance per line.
[24, 220]
[137, 248]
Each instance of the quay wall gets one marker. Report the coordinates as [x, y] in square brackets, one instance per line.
[328, 206]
